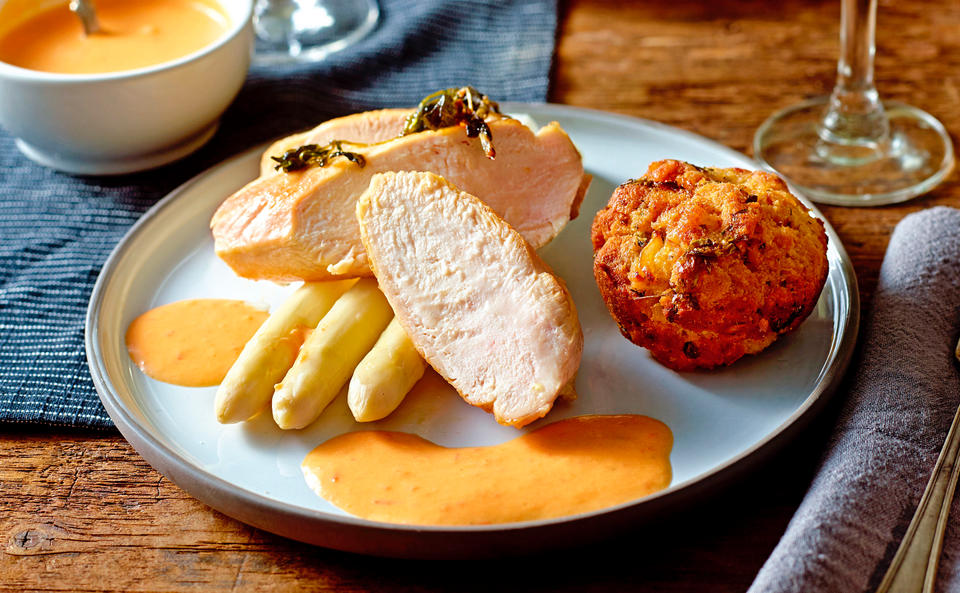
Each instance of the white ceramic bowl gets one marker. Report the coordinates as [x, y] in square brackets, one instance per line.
[120, 122]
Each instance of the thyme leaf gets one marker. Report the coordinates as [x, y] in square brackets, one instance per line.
[465, 106]
[314, 155]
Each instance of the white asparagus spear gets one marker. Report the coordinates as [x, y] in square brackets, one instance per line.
[268, 355]
[385, 375]
[330, 354]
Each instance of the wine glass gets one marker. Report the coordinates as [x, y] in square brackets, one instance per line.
[849, 148]
[309, 30]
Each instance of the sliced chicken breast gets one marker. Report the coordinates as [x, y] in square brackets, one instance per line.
[367, 127]
[473, 296]
[301, 225]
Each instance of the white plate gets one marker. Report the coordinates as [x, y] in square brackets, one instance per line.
[720, 420]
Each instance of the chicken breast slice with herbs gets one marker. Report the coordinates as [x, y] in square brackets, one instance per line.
[301, 225]
[478, 303]
[367, 127]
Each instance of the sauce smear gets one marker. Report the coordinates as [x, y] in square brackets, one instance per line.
[134, 34]
[572, 466]
[194, 342]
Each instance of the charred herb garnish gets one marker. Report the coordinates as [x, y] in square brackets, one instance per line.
[465, 107]
[310, 155]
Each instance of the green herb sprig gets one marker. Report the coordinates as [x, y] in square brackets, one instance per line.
[452, 107]
[315, 155]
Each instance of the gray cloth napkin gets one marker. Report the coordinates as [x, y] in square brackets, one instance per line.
[56, 230]
[902, 399]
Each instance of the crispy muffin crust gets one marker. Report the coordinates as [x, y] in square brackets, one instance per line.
[702, 266]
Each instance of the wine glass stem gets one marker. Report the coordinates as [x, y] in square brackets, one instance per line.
[855, 115]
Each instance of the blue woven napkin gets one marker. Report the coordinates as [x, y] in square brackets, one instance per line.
[57, 230]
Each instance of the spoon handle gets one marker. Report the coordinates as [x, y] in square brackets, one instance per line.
[88, 16]
[914, 567]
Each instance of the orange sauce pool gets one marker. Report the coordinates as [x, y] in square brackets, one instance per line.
[134, 34]
[194, 342]
[572, 466]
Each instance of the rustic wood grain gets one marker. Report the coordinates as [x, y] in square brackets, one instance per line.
[82, 512]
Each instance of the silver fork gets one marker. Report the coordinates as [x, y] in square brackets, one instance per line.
[914, 567]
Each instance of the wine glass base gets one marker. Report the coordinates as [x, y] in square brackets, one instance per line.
[917, 155]
[290, 31]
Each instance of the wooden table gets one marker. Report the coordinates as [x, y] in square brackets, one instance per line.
[83, 512]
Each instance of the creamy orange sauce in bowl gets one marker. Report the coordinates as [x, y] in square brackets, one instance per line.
[134, 34]
[45, 41]
[113, 105]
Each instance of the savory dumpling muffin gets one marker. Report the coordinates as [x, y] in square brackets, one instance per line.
[702, 265]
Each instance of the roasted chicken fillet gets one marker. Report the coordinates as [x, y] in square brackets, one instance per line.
[472, 295]
[302, 225]
[702, 266]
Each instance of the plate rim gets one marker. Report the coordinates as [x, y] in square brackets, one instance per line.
[344, 530]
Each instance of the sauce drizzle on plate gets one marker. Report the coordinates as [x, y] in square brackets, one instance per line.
[193, 342]
[572, 466]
